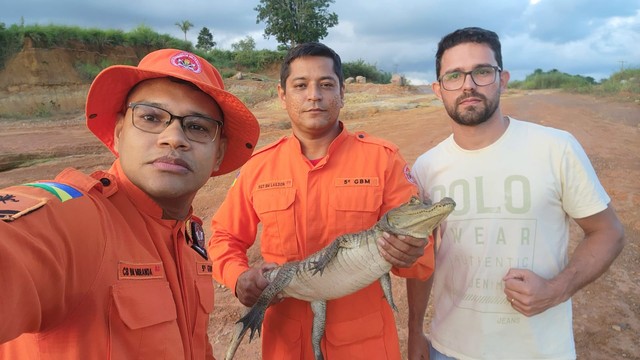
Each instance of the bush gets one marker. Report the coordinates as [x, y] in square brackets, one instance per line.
[254, 61]
[11, 41]
[627, 81]
[144, 37]
[219, 58]
[553, 79]
[360, 68]
[88, 72]
[100, 39]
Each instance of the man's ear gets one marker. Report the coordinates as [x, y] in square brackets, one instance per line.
[504, 80]
[117, 130]
[222, 149]
[435, 86]
[282, 96]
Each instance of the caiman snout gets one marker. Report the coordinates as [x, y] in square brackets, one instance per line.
[416, 218]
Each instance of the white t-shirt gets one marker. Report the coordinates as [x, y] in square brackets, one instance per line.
[514, 202]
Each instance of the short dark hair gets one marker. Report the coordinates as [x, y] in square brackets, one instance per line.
[309, 49]
[466, 35]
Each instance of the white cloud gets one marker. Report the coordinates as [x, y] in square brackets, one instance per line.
[587, 37]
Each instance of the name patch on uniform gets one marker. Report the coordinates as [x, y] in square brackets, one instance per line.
[275, 184]
[358, 181]
[204, 268]
[131, 271]
[14, 205]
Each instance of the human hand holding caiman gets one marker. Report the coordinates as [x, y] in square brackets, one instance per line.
[348, 264]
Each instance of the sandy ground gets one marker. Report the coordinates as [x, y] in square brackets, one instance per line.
[607, 312]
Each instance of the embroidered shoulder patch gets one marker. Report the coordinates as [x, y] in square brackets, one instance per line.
[14, 205]
[407, 174]
[61, 191]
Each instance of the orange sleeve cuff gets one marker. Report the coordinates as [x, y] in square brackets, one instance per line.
[231, 274]
[422, 268]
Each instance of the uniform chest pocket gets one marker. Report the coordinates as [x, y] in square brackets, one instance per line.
[354, 209]
[276, 210]
[142, 321]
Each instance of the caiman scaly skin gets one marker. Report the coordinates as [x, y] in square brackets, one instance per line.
[350, 263]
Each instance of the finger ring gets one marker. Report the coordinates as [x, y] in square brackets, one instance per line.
[512, 300]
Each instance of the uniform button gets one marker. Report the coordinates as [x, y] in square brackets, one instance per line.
[105, 181]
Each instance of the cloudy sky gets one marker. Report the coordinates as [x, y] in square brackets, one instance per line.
[581, 37]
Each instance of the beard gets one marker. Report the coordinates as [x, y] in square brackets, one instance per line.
[473, 115]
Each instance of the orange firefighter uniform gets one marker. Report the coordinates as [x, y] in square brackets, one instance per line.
[96, 273]
[302, 209]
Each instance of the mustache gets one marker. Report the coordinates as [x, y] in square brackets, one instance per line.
[470, 95]
[173, 158]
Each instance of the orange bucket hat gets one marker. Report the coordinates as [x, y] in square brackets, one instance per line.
[110, 88]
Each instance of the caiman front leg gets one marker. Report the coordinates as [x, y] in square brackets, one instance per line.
[319, 308]
[320, 260]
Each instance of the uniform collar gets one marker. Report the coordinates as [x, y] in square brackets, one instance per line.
[342, 136]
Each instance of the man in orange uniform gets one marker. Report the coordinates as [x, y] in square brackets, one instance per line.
[113, 265]
[306, 190]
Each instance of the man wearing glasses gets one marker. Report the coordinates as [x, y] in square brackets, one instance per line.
[503, 281]
[113, 265]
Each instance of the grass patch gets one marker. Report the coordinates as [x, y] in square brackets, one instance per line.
[625, 82]
[251, 95]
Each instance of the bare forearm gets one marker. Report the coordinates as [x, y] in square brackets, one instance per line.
[418, 293]
[531, 294]
[589, 261]
[602, 243]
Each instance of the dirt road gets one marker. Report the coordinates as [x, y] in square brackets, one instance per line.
[607, 312]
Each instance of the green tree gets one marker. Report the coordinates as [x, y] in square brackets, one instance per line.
[245, 45]
[245, 55]
[205, 40]
[296, 21]
[185, 26]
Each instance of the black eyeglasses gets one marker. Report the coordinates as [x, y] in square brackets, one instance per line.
[152, 119]
[481, 76]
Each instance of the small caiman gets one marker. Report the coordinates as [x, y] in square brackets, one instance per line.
[350, 263]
